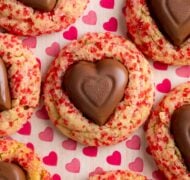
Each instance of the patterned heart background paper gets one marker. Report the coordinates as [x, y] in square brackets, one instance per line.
[65, 158]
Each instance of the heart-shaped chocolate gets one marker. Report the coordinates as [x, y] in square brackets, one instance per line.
[173, 17]
[5, 99]
[96, 88]
[41, 5]
[10, 171]
[180, 128]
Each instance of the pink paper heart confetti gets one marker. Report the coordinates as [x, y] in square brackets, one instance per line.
[160, 66]
[56, 177]
[98, 170]
[90, 151]
[69, 144]
[183, 71]
[71, 34]
[42, 113]
[164, 86]
[134, 143]
[30, 42]
[111, 25]
[148, 150]
[73, 166]
[39, 62]
[26, 129]
[137, 165]
[109, 4]
[46, 134]
[30, 145]
[115, 158]
[51, 159]
[158, 175]
[53, 50]
[90, 18]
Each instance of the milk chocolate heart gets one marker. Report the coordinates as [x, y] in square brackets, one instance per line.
[180, 128]
[41, 5]
[96, 88]
[5, 99]
[10, 171]
[173, 17]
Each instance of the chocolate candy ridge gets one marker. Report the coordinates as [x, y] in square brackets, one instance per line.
[96, 88]
[10, 171]
[180, 128]
[173, 17]
[41, 5]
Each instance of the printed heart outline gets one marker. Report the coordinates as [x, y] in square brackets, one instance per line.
[101, 93]
[174, 14]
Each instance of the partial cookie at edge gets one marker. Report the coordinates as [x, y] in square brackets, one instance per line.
[145, 34]
[23, 20]
[12, 150]
[24, 83]
[160, 141]
[125, 175]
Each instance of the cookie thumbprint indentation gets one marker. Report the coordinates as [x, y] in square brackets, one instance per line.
[10, 171]
[96, 88]
[41, 5]
[173, 17]
[180, 128]
[5, 99]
